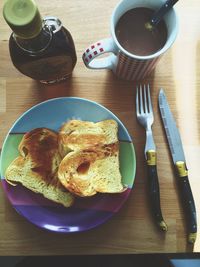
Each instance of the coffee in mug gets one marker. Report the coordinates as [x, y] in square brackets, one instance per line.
[135, 37]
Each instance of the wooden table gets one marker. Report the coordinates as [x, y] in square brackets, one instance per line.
[132, 229]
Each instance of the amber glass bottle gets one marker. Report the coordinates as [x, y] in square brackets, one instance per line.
[39, 48]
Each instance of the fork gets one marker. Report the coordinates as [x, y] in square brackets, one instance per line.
[144, 113]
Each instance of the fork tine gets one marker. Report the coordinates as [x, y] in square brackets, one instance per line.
[141, 101]
[137, 101]
[145, 99]
[149, 98]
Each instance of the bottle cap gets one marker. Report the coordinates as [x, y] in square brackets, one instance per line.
[23, 17]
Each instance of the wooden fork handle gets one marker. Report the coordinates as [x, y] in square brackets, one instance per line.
[154, 191]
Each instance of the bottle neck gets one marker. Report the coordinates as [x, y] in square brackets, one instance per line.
[37, 44]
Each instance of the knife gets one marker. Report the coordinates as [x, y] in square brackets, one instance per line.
[177, 153]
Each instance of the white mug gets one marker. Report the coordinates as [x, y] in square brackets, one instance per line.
[124, 64]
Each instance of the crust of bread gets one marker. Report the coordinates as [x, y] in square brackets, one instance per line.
[37, 166]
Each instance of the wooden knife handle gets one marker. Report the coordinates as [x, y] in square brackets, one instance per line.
[188, 200]
[189, 206]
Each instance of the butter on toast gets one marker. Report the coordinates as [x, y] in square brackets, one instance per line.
[92, 165]
[37, 165]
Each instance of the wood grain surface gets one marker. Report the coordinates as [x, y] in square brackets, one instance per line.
[132, 230]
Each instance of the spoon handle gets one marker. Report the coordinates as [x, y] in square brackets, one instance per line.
[162, 11]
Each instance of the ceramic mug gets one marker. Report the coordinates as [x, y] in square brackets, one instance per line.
[124, 64]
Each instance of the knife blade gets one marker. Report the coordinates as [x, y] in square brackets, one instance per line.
[178, 157]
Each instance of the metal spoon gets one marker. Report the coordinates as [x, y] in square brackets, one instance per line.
[159, 14]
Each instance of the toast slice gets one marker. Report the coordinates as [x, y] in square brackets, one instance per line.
[87, 172]
[77, 135]
[37, 165]
[91, 164]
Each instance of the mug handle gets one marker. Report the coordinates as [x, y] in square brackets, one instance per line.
[95, 50]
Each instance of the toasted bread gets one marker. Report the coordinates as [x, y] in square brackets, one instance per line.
[78, 135]
[36, 167]
[92, 166]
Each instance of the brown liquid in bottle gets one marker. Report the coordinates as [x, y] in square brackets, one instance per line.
[51, 64]
[135, 37]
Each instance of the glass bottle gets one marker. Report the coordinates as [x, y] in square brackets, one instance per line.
[39, 48]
